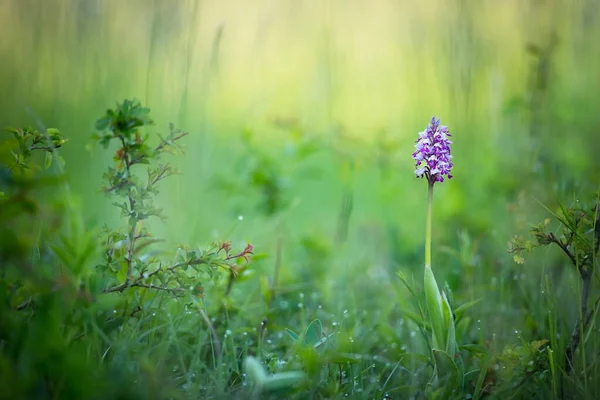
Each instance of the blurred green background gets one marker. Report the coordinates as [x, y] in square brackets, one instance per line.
[517, 82]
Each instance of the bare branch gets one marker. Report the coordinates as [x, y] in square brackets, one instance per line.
[564, 248]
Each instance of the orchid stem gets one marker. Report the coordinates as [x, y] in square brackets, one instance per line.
[428, 226]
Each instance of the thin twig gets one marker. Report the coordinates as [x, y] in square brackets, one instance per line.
[165, 143]
[206, 259]
[584, 318]
[47, 148]
[132, 225]
[138, 281]
[211, 328]
[25, 304]
[564, 248]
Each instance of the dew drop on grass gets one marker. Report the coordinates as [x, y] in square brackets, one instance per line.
[283, 304]
[301, 295]
[300, 305]
[320, 307]
[114, 311]
[412, 333]
[245, 334]
[154, 314]
[334, 323]
[240, 217]
[227, 332]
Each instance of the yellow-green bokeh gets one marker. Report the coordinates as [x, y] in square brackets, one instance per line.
[217, 67]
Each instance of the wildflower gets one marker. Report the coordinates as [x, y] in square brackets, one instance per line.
[434, 162]
[225, 246]
[248, 250]
[432, 155]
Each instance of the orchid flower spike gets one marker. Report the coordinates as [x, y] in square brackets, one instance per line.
[432, 155]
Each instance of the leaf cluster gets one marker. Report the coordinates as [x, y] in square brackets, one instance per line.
[129, 258]
[576, 236]
[29, 140]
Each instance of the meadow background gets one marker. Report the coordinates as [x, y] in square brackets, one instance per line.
[333, 94]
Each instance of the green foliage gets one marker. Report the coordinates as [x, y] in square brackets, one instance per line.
[45, 307]
[260, 172]
[29, 140]
[520, 368]
[281, 383]
[59, 315]
[107, 312]
[332, 245]
[578, 237]
[130, 260]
